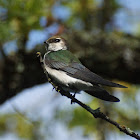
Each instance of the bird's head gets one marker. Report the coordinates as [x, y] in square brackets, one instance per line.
[55, 43]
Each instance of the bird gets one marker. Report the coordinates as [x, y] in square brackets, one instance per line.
[66, 70]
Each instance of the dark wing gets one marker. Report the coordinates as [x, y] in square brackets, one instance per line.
[77, 70]
[88, 76]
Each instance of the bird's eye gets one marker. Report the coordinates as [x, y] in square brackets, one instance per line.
[57, 40]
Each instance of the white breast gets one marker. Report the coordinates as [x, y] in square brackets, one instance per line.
[64, 79]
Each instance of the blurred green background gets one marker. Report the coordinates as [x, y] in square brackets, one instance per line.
[103, 34]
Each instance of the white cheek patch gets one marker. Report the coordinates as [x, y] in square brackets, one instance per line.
[57, 46]
[54, 47]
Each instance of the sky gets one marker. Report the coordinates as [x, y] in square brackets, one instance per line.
[42, 99]
[128, 21]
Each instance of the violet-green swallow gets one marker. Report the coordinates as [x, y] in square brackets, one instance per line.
[69, 73]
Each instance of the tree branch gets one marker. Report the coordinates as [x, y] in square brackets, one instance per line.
[96, 113]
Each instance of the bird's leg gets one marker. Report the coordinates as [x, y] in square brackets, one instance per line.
[74, 97]
[54, 86]
[74, 94]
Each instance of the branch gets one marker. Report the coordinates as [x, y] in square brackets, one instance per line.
[96, 113]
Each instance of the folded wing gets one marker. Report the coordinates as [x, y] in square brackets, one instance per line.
[77, 70]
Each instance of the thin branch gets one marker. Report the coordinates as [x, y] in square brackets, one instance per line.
[96, 113]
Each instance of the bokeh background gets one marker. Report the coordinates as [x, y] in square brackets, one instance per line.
[103, 34]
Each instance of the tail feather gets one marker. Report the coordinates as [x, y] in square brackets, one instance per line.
[112, 84]
[103, 95]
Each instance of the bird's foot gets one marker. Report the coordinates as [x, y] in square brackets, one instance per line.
[55, 87]
[74, 94]
[58, 90]
[72, 99]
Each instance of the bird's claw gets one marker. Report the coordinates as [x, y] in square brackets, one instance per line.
[57, 89]
[54, 86]
[74, 95]
[72, 99]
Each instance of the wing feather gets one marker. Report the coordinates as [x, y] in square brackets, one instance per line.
[77, 70]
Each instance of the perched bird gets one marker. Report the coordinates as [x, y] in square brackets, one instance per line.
[69, 73]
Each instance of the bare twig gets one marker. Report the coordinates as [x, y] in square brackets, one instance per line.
[96, 113]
